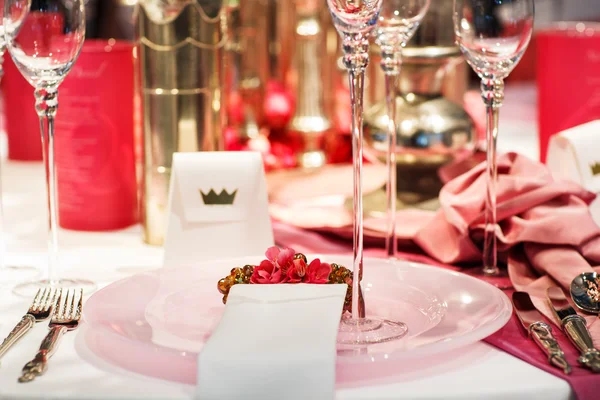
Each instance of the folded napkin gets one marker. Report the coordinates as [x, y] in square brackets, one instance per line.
[273, 342]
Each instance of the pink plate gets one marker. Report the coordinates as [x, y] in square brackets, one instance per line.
[156, 323]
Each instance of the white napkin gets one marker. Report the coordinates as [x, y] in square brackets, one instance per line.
[273, 342]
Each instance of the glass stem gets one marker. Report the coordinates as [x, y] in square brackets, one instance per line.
[493, 94]
[391, 243]
[356, 59]
[46, 106]
[391, 62]
[356, 99]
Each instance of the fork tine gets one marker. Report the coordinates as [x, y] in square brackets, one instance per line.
[65, 305]
[36, 299]
[72, 308]
[59, 305]
[80, 304]
[50, 301]
[44, 299]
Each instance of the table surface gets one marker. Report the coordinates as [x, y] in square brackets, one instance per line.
[478, 371]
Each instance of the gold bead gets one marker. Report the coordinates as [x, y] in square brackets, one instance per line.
[248, 270]
[222, 286]
[300, 256]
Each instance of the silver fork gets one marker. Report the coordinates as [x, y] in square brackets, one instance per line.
[65, 318]
[39, 311]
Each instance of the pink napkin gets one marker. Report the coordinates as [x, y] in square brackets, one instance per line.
[546, 236]
[545, 230]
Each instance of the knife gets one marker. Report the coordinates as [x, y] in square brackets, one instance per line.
[541, 333]
[574, 326]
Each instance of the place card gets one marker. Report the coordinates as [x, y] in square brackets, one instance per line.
[218, 208]
[573, 155]
[273, 342]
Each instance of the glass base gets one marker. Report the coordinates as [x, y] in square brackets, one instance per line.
[369, 331]
[500, 280]
[29, 289]
[11, 275]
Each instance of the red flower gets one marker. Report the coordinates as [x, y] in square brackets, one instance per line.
[297, 272]
[282, 259]
[318, 272]
[266, 272]
[281, 267]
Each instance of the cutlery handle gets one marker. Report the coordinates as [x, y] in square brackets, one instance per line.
[39, 364]
[575, 327]
[543, 337]
[17, 333]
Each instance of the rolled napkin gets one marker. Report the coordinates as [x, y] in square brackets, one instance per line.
[273, 342]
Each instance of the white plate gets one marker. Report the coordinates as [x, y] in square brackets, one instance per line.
[156, 323]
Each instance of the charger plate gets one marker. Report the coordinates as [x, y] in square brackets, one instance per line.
[156, 323]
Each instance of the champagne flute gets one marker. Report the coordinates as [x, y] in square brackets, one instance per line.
[398, 22]
[354, 21]
[44, 39]
[493, 35]
[9, 274]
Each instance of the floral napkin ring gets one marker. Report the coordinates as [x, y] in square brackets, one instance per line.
[287, 266]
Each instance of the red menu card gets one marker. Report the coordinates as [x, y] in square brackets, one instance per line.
[95, 139]
[21, 121]
[568, 78]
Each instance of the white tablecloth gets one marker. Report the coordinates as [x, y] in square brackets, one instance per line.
[477, 372]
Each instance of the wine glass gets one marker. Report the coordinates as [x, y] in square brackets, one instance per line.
[493, 35]
[354, 21]
[398, 22]
[9, 274]
[44, 39]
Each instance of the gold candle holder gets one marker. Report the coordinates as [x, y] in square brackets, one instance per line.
[180, 67]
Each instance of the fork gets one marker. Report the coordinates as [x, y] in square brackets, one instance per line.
[65, 318]
[39, 311]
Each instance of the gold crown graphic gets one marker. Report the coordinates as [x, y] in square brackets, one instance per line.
[595, 167]
[212, 198]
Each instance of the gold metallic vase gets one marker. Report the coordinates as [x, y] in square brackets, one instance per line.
[181, 45]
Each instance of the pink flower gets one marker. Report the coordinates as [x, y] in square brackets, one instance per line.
[318, 272]
[297, 272]
[266, 272]
[282, 259]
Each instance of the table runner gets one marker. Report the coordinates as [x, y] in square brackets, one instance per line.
[511, 338]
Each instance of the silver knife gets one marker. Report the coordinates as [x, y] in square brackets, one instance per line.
[574, 326]
[541, 333]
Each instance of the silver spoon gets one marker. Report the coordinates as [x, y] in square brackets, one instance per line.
[585, 291]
